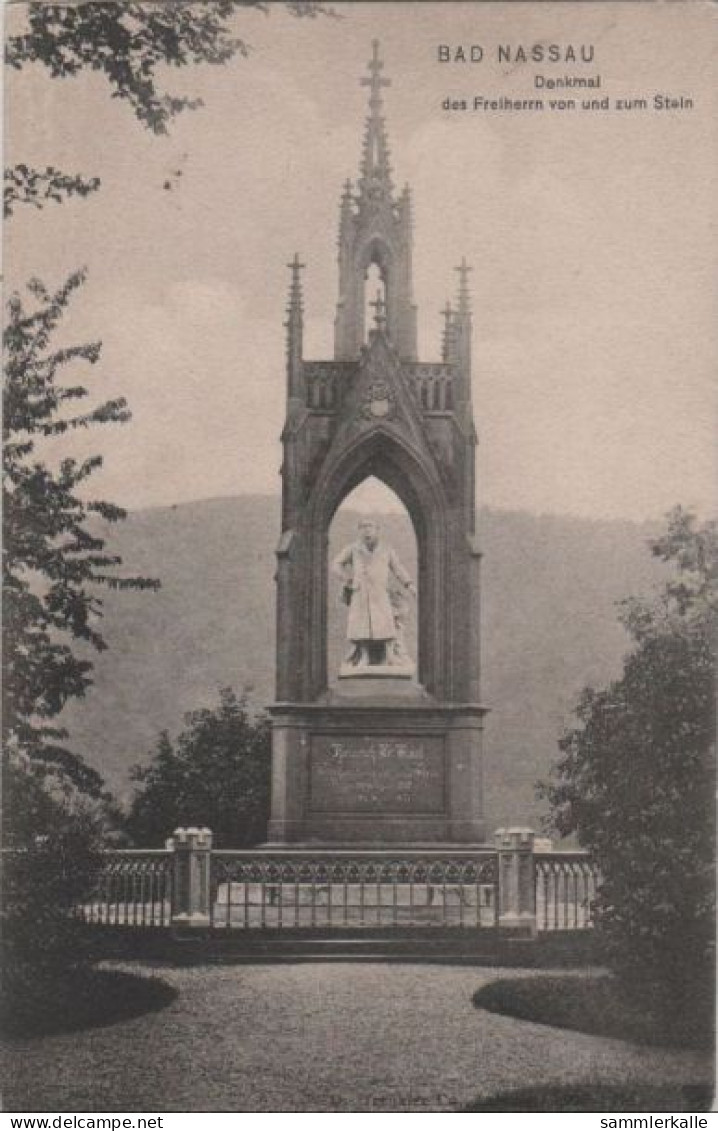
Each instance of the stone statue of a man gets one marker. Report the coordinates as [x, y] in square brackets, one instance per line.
[377, 612]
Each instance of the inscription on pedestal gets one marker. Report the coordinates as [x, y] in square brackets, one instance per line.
[376, 774]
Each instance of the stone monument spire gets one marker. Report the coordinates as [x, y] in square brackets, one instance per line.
[375, 228]
[375, 171]
[462, 331]
[295, 334]
[447, 341]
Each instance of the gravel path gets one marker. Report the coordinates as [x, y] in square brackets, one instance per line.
[320, 1037]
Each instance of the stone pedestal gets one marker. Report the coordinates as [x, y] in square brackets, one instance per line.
[517, 899]
[191, 877]
[358, 771]
[349, 672]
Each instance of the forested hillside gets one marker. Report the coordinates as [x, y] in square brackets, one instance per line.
[549, 626]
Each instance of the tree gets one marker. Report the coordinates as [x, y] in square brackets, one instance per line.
[54, 560]
[127, 44]
[217, 775]
[33, 186]
[52, 856]
[55, 564]
[636, 777]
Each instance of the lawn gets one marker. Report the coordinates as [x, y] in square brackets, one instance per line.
[596, 1005]
[328, 1037]
[78, 999]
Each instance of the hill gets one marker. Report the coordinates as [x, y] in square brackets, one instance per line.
[549, 627]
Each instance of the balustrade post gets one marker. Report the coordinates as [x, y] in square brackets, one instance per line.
[517, 888]
[192, 850]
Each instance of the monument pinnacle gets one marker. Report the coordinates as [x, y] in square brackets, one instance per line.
[447, 344]
[463, 304]
[375, 169]
[295, 287]
[295, 327]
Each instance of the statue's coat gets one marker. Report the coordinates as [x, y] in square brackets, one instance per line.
[371, 616]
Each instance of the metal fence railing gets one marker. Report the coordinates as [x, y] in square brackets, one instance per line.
[294, 890]
[191, 884]
[566, 884]
[134, 889]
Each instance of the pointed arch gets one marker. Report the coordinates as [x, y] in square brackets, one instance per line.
[370, 499]
[376, 249]
[388, 457]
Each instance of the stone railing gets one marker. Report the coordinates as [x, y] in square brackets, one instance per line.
[508, 886]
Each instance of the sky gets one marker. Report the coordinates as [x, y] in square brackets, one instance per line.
[591, 235]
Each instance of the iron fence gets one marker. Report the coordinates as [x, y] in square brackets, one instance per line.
[343, 890]
[566, 884]
[294, 889]
[134, 889]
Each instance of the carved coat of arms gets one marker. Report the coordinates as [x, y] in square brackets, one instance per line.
[379, 401]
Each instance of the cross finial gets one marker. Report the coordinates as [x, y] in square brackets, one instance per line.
[380, 308]
[463, 270]
[375, 171]
[375, 80]
[295, 267]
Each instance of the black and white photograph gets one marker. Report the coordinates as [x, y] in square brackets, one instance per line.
[360, 558]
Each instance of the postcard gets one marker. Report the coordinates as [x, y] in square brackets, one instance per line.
[360, 586]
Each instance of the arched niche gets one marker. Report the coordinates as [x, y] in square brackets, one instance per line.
[370, 499]
[393, 462]
[375, 253]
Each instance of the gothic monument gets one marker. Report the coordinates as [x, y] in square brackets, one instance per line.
[388, 749]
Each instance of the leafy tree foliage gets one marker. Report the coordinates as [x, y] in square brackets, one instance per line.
[55, 559]
[52, 855]
[216, 774]
[55, 556]
[636, 779]
[126, 43]
[34, 186]
[129, 44]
